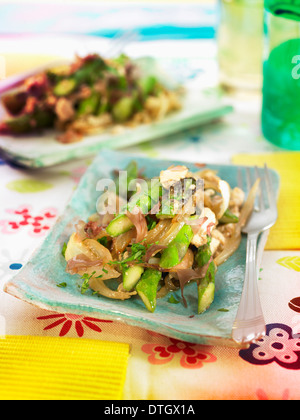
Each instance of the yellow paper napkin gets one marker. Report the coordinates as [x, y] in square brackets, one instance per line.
[59, 368]
[286, 232]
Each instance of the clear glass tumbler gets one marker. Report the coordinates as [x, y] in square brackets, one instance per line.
[240, 44]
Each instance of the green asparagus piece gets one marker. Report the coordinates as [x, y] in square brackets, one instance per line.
[122, 110]
[65, 87]
[120, 224]
[89, 105]
[28, 122]
[147, 288]
[122, 183]
[177, 249]
[203, 254]
[142, 200]
[228, 217]
[206, 286]
[122, 82]
[147, 84]
[18, 125]
[102, 107]
[57, 73]
[205, 297]
[122, 59]
[43, 118]
[131, 276]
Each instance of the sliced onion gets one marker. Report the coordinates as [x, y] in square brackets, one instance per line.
[162, 292]
[140, 223]
[81, 263]
[186, 262]
[234, 241]
[98, 286]
[89, 257]
[171, 233]
[100, 251]
[167, 287]
[94, 268]
[121, 289]
[169, 282]
[224, 189]
[158, 231]
[154, 261]
[121, 242]
[79, 227]
[75, 247]
[231, 246]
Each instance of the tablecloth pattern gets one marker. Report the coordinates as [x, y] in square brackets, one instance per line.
[161, 367]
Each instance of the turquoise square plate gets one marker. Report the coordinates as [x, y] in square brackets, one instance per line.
[37, 282]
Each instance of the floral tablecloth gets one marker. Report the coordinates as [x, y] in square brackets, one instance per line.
[161, 367]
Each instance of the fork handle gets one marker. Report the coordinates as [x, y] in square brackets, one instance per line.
[249, 324]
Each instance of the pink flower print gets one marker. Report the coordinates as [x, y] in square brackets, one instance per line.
[279, 345]
[192, 355]
[67, 321]
[23, 216]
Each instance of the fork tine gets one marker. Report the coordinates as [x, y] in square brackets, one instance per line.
[270, 191]
[248, 179]
[240, 178]
[260, 194]
[120, 40]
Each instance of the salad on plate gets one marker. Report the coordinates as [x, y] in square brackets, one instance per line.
[88, 96]
[151, 237]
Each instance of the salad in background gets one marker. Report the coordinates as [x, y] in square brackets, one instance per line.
[88, 96]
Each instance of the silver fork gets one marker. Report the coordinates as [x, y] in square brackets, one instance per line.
[249, 324]
[119, 42]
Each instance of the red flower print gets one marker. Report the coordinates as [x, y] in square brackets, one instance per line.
[68, 320]
[23, 216]
[192, 355]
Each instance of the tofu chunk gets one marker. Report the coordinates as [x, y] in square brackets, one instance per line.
[201, 236]
[172, 175]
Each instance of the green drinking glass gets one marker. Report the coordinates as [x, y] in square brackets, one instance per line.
[281, 74]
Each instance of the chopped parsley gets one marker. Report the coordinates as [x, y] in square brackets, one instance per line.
[173, 300]
[138, 251]
[64, 284]
[103, 241]
[63, 251]
[86, 282]
[150, 223]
